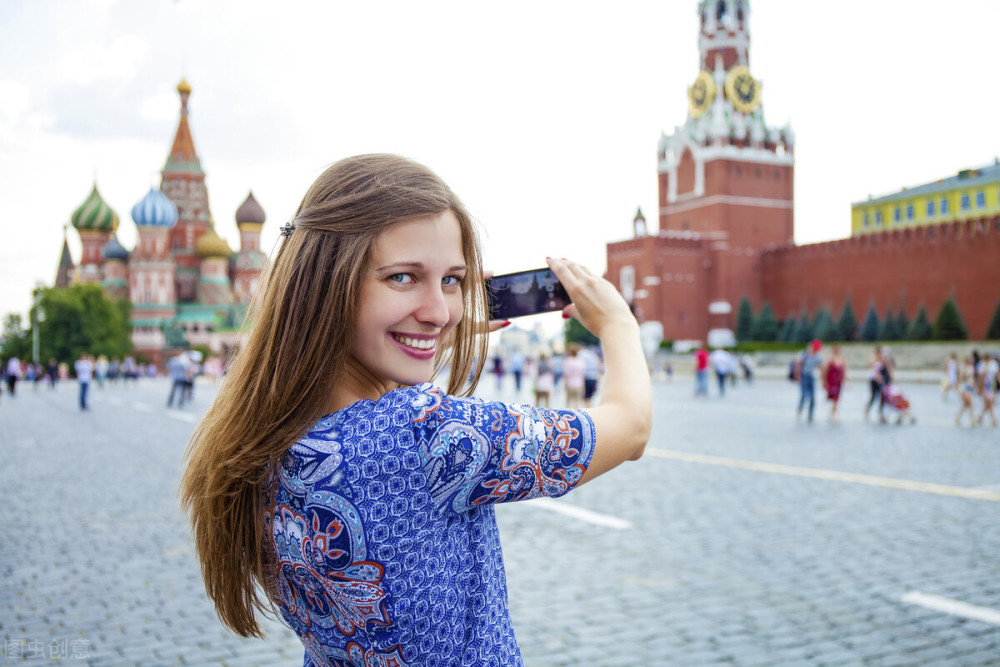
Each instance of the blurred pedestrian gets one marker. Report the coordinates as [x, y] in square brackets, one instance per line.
[988, 379]
[573, 381]
[967, 385]
[949, 383]
[809, 362]
[52, 370]
[720, 363]
[878, 377]
[591, 373]
[545, 381]
[746, 365]
[834, 376]
[177, 369]
[84, 373]
[701, 372]
[498, 370]
[101, 371]
[13, 374]
[517, 369]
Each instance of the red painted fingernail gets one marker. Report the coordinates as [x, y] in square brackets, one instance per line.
[565, 316]
[505, 324]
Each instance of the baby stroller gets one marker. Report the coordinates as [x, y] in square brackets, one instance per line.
[893, 397]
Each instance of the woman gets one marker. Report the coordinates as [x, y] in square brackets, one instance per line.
[968, 389]
[834, 375]
[876, 381]
[355, 494]
[573, 377]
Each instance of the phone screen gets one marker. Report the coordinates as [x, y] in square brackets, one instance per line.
[525, 293]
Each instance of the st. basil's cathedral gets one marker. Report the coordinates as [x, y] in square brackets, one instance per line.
[186, 285]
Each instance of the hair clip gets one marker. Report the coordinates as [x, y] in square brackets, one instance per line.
[287, 229]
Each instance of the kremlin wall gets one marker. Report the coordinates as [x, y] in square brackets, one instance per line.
[726, 222]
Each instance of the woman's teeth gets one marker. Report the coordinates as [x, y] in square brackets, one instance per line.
[418, 344]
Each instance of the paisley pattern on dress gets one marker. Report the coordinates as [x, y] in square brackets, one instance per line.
[383, 526]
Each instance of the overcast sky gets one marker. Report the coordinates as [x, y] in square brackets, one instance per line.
[543, 116]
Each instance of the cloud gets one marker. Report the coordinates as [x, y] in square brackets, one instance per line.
[118, 60]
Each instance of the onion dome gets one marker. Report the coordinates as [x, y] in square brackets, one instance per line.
[183, 86]
[95, 214]
[212, 245]
[250, 211]
[113, 249]
[155, 210]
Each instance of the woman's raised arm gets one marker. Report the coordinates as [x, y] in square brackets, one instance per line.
[623, 419]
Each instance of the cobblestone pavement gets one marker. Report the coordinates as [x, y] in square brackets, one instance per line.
[743, 537]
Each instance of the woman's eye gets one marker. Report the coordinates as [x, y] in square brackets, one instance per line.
[451, 281]
[401, 278]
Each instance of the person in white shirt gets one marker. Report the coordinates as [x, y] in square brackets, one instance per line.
[84, 374]
[720, 362]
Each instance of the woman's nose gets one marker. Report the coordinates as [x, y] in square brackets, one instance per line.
[433, 307]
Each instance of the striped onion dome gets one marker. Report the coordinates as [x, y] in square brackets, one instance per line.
[113, 249]
[212, 245]
[95, 214]
[250, 211]
[155, 210]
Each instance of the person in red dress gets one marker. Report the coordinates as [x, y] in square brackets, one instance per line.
[834, 375]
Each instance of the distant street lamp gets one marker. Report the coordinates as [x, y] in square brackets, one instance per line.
[37, 316]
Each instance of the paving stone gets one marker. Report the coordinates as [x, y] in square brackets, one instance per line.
[722, 565]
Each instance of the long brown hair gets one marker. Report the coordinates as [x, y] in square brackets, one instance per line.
[282, 379]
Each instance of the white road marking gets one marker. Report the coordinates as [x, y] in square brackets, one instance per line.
[953, 607]
[182, 416]
[832, 475]
[604, 520]
[142, 407]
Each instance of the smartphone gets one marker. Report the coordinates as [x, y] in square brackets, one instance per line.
[525, 293]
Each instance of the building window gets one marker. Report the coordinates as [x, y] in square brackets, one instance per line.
[895, 214]
[944, 206]
[909, 211]
[965, 202]
[626, 279]
[930, 208]
[878, 218]
[864, 220]
[980, 200]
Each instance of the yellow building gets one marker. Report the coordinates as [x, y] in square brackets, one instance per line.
[972, 193]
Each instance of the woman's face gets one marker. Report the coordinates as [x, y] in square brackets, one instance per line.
[410, 300]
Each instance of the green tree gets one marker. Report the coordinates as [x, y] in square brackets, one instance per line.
[993, 331]
[16, 340]
[803, 329]
[887, 329]
[921, 328]
[574, 332]
[848, 324]
[902, 324]
[744, 321]
[765, 325]
[788, 326]
[824, 327]
[81, 319]
[870, 327]
[949, 324]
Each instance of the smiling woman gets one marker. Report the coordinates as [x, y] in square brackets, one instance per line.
[356, 494]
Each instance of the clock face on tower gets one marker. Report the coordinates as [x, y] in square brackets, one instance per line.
[701, 94]
[742, 89]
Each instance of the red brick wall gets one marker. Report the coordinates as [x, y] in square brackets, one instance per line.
[909, 267]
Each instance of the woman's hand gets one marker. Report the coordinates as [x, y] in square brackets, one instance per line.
[596, 302]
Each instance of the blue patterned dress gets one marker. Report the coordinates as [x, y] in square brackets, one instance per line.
[383, 523]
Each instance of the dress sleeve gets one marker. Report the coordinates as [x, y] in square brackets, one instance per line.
[475, 452]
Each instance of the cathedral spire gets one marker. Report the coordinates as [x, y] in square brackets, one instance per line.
[183, 157]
